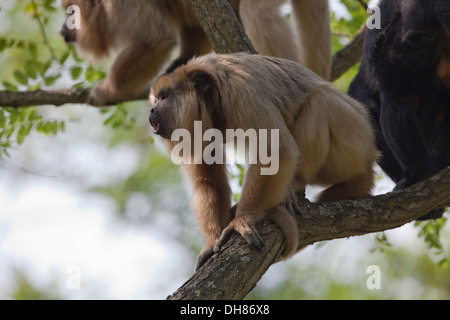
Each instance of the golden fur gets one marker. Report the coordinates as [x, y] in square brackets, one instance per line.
[145, 32]
[325, 139]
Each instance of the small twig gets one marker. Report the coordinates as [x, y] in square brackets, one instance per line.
[37, 16]
[363, 4]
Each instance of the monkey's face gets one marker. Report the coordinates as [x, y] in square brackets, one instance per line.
[86, 26]
[181, 99]
[69, 34]
[161, 116]
[164, 101]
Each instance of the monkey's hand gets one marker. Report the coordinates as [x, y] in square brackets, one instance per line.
[206, 253]
[246, 228]
[101, 94]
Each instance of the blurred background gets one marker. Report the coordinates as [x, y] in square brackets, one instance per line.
[91, 207]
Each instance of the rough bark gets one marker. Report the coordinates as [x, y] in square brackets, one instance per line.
[221, 25]
[40, 97]
[235, 271]
[49, 98]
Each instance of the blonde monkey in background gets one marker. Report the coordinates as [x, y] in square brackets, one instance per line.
[144, 33]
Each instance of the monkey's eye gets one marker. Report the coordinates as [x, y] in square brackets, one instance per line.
[163, 95]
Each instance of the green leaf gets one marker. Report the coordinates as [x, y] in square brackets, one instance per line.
[64, 57]
[20, 77]
[40, 67]
[93, 75]
[443, 263]
[30, 8]
[11, 43]
[32, 48]
[9, 86]
[30, 69]
[3, 44]
[110, 120]
[21, 134]
[54, 128]
[49, 6]
[79, 85]
[75, 72]
[20, 44]
[34, 87]
[241, 174]
[430, 232]
[51, 80]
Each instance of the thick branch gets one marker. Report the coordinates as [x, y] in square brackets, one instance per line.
[349, 55]
[221, 25]
[52, 98]
[235, 271]
[41, 97]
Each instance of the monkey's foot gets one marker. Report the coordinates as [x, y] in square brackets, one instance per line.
[292, 201]
[246, 229]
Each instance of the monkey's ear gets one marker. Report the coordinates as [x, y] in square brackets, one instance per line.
[203, 81]
[206, 87]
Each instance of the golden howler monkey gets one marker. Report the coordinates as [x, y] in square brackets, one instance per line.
[144, 33]
[404, 80]
[325, 138]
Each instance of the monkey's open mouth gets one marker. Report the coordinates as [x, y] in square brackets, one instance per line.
[155, 126]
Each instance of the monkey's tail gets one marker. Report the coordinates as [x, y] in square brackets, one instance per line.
[286, 222]
[312, 20]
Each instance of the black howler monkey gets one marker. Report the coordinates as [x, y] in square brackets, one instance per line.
[404, 80]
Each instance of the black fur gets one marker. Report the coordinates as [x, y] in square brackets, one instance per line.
[397, 81]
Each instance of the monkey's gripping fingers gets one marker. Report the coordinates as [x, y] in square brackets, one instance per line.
[206, 253]
[246, 229]
[101, 94]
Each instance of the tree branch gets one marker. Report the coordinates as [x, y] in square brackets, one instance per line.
[234, 272]
[221, 25]
[51, 97]
[40, 97]
[347, 57]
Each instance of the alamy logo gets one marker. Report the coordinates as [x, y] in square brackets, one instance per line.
[374, 280]
[214, 153]
[374, 21]
[74, 19]
[74, 278]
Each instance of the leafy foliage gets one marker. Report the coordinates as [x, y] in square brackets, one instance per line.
[42, 65]
[430, 232]
[16, 125]
[381, 243]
